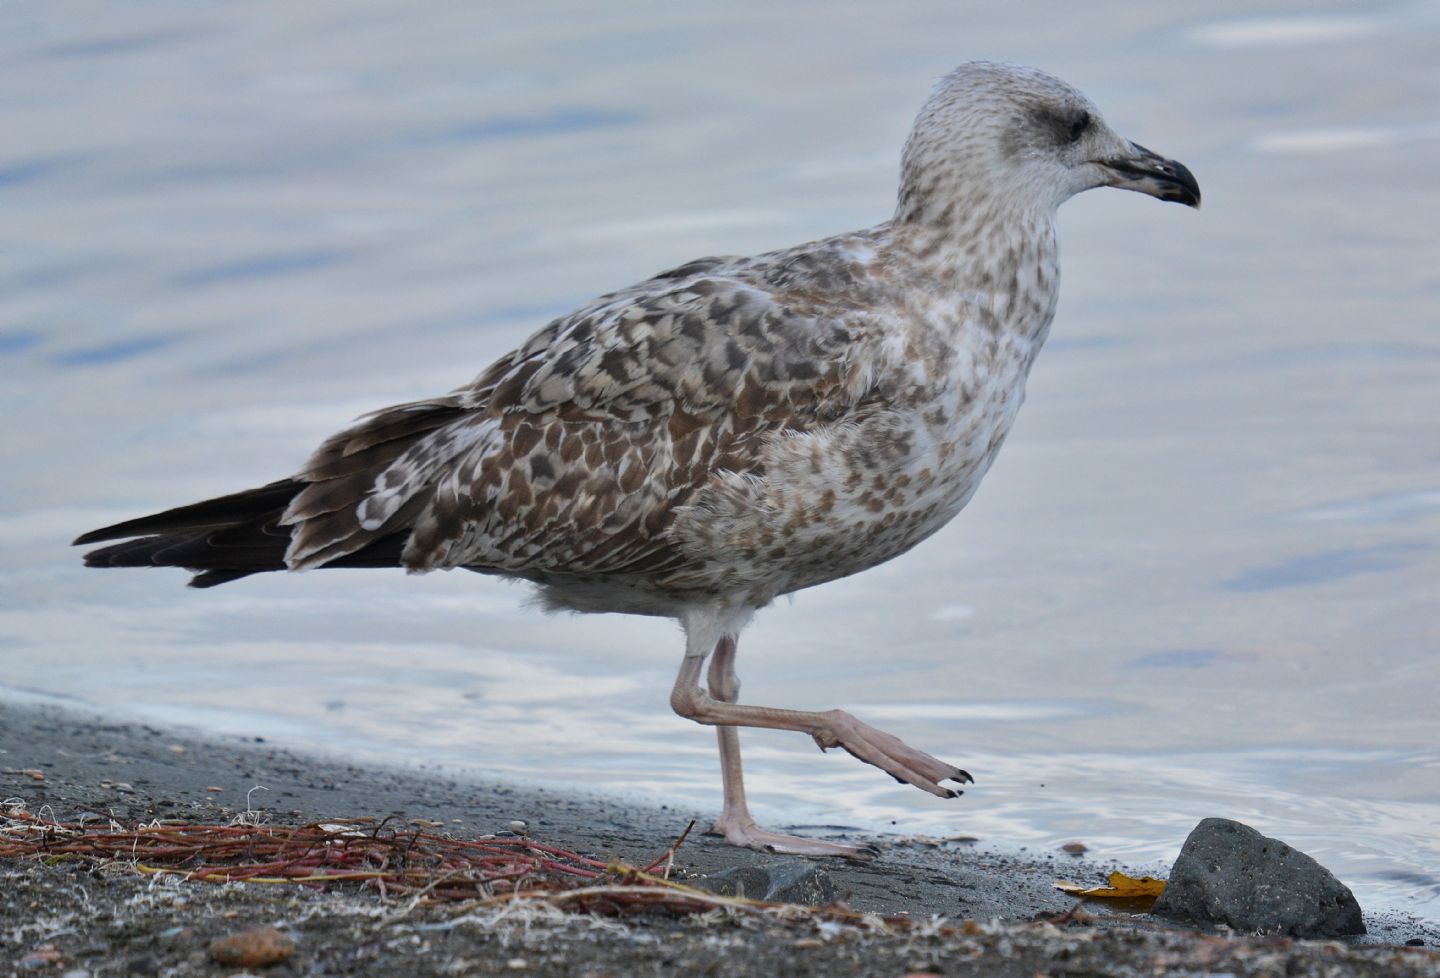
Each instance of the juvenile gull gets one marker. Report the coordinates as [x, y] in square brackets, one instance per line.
[728, 431]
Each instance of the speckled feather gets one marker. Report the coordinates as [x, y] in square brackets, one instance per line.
[734, 428]
[747, 425]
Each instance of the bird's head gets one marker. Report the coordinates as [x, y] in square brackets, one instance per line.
[993, 136]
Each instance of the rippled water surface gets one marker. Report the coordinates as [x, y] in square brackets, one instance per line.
[1201, 580]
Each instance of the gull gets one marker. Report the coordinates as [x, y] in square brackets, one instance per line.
[728, 431]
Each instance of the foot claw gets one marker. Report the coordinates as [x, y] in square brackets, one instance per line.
[890, 754]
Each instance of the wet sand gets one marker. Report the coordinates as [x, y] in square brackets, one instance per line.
[73, 918]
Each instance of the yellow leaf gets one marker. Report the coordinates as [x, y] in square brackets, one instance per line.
[1121, 887]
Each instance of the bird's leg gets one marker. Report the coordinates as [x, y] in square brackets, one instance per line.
[831, 728]
[736, 823]
[725, 687]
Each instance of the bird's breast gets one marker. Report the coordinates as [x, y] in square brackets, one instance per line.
[836, 500]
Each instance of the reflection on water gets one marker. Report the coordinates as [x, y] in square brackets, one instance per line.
[1283, 32]
[1376, 509]
[1330, 565]
[1177, 659]
[1199, 581]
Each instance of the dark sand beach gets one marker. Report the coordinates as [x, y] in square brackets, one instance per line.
[977, 908]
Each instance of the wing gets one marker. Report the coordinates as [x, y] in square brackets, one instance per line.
[571, 454]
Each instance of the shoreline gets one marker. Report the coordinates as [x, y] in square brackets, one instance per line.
[135, 772]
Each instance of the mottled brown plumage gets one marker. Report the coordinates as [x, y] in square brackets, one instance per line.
[729, 430]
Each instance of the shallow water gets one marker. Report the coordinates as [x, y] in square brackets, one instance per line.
[1201, 579]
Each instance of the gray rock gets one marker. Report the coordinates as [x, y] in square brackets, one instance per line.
[1230, 874]
[787, 882]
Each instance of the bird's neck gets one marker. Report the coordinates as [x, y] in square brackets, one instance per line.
[1000, 264]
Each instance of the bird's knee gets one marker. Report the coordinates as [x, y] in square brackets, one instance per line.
[685, 700]
[692, 703]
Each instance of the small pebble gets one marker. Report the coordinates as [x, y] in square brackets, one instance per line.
[1075, 848]
[258, 947]
[42, 957]
[518, 827]
[34, 774]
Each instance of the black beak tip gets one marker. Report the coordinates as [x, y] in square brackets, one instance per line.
[1187, 188]
[1153, 174]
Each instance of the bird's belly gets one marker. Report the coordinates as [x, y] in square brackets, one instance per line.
[887, 512]
[834, 504]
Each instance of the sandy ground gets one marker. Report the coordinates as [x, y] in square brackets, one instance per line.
[76, 920]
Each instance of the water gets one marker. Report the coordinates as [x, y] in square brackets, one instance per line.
[1201, 579]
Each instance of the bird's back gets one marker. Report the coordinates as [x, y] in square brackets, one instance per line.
[573, 455]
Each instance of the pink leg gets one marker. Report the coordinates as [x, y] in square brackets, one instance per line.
[832, 728]
[736, 823]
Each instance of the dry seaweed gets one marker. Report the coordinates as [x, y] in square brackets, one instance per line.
[393, 859]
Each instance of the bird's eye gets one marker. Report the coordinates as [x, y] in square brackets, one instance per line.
[1078, 126]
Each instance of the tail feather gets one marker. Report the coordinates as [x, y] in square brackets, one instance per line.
[220, 555]
[250, 532]
[221, 539]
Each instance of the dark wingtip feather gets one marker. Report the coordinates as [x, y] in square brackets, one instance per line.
[94, 536]
[231, 510]
[215, 578]
[130, 553]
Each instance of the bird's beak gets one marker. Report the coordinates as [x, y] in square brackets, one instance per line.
[1150, 173]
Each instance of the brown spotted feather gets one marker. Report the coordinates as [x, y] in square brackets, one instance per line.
[733, 428]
